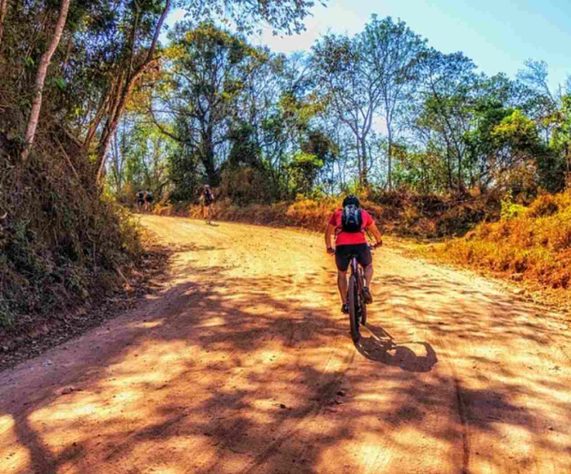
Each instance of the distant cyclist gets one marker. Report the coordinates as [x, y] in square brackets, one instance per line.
[140, 200]
[148, 200]
[207, 199]
[349, 225]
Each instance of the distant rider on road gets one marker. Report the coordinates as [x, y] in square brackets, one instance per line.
[349, 225]
[207, 199]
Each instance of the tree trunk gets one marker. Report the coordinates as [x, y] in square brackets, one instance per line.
[3, 13]
[99, 114]
[390, 157]
[208, 158]
[118, 97]
[125, 92]
[363, 179]
[359, 161]
[41, 78]
[567, 167]
[460, 180]
[449, 168]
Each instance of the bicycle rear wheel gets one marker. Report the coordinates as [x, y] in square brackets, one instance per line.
[363, 307]
[352, 301]
[361, 302]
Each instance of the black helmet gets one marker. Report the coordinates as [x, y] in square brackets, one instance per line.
[351, 200]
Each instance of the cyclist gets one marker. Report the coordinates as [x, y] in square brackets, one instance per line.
[148, 200]
[207, 198]
[349, 225]
[140, 199]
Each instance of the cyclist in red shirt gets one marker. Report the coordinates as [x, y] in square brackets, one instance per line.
[349, 225]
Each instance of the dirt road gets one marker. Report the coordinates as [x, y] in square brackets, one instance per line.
[244, 363]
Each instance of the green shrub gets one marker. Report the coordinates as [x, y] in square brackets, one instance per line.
[61, 243]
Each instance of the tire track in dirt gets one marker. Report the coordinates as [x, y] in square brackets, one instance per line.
[463, 420]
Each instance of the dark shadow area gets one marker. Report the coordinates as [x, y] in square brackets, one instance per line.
[381, 347]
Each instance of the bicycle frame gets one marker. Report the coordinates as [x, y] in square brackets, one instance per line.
[359, 274]
[355, 299]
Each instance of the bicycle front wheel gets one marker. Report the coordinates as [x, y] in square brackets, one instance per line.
[352, 302]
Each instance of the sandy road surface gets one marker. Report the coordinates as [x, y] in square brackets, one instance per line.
[244, 363]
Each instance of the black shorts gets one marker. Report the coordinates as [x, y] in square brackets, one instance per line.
[344, 253]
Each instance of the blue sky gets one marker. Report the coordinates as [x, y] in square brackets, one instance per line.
[499, 35]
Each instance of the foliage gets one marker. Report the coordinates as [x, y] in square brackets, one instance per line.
[62, 240]
[509, 209]
[383, 108]
[210, 69]
[60, 245]
[533, 243]
[246, 184]
[304, 168]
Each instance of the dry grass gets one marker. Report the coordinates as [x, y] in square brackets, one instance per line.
[304, 213]
[396, 213]
[534, 245]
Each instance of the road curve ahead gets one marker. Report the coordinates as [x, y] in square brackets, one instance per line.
[243, 363]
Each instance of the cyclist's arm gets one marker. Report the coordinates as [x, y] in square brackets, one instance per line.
[329, 232]
[373, 229]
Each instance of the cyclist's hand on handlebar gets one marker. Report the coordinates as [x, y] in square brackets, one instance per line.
[330, 250]
[376, 245]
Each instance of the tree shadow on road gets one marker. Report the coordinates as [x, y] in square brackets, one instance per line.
[228, 373]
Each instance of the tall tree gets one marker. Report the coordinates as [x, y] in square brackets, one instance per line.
[561, 140]
[449, 84]
[121, 89]
[3, 14]
[41, 79]
[286, 15]
[352, 92]
[392, 53]
[209, 72]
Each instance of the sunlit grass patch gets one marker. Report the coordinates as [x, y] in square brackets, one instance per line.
[534, 245]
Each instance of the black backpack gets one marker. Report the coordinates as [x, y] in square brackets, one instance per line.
[351, 219]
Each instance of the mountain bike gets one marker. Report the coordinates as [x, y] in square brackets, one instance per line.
[356, 299]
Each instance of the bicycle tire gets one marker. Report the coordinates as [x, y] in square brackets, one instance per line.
[363, 311]
[362, 303]
[353, 309]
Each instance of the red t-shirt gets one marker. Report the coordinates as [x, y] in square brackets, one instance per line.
[350, 238]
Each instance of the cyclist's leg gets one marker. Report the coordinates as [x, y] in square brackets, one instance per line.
[342, 285]
[365, 259]
[368, 275]
[342, 257]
